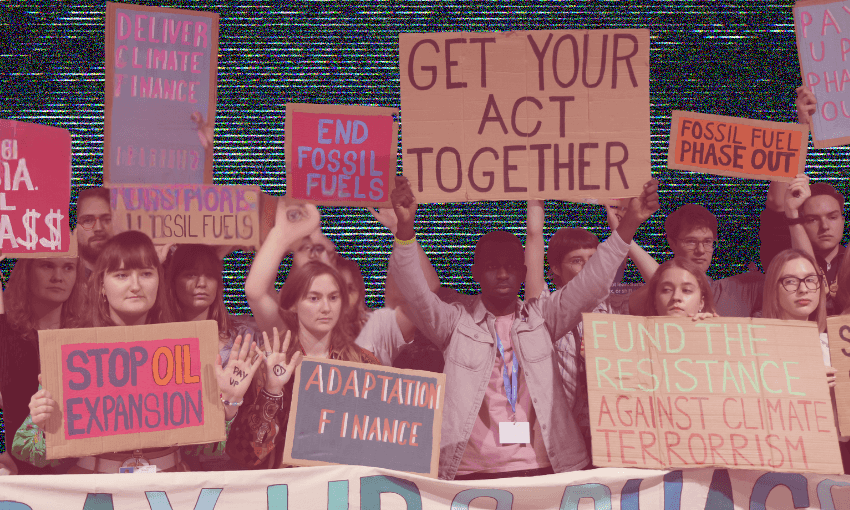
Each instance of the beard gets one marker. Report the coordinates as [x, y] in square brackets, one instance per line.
[91, 253]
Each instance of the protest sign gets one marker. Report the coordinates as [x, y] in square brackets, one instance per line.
[35, 190]
[561, 114]
[340, 155]
[131, 387]
[735, 147]
[822, 51]
[339, 487]
[839, 357]
[188, 214]
[161, 68]
[368, 415]
[674, 392]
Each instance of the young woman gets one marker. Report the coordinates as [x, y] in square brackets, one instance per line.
[40, 294]
[125, 291]
[678, 289]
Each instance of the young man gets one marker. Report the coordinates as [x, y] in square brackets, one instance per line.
[691, 232]
[505, 413]
[94, 224]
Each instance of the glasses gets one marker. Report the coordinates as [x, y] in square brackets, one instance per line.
[792, 283]
[88, 221]
[691, 244]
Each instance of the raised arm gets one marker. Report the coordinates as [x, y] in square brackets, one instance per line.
[796, 193]
[535, 279]
[643, 260]
[292, 224]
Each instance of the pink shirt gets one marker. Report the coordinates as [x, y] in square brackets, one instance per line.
[484, 453]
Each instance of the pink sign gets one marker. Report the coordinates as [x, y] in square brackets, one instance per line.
[335, 158]
[127, 387]
[35, 188]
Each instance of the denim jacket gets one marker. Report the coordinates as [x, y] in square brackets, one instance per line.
[467, 339]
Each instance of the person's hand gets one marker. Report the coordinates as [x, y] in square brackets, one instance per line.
[535, 217]
[830, 376]
[806, 104]
[614, 213]
[278, 371]
[386, 217]
[798, 191]
[639, 209]
[296, 221]
[162, 251]
[404, 205]
[42, 406]
[205, 130]
[234, 379]
[703, 315]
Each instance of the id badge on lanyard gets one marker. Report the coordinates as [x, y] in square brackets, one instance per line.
[512, 432]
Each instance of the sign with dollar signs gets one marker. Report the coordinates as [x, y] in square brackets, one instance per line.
[35, 190]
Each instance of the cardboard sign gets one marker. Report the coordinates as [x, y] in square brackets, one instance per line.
[161, 67]
[822, 50]
[839, 355]
[35, 190]
[340, 155]
[745, 148]
[367, 415]
[131, 387]
[743, 393]
[186, 214]
[560, 114]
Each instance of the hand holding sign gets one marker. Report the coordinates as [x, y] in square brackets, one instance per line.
[806, 104]
[798, 191]
[638, 210]
[278, 371]
[234, 379]
[42, 406]
[404, 205]
[386, 217]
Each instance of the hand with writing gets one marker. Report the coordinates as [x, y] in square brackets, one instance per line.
[798, 191]
[234, 379]
[404, 205]
[386, 217]
[830, 376]
[278, 371]
[296, 221]
[614, 214]
[806, 104]
[42, 406]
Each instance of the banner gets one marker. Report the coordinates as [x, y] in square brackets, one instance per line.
[735, 147]
[187, 214]
[356, 487]
[131, 387]
[674, 392]
[341, 155]
[352, 413]
[839, 354]
[35, 190]
[560, 114]
[161, 68]
[822, 50]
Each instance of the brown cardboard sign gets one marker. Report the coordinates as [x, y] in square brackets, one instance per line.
[735, 147]
[367, 415]
[341, 155]
[670, 393]
[189, 214]
[839, 355]
[131, 387]
[560, 114]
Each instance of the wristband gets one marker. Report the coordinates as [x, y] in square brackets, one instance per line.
[271, 395]
[233, 404]
[402, 242]
[794, 221]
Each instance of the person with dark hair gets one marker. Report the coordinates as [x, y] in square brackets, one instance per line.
[125, 291]
[40, 294]
[94, 224]
[691, 232]
[677, 289]
[505, 413]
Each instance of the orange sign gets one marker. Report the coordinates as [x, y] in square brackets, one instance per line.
[735, 147]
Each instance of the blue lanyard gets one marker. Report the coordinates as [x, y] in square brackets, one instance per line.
[510, 387]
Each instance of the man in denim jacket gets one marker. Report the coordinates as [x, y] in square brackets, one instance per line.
[502, 415]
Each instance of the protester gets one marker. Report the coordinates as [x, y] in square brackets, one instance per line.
[691, 232]
[677, 289]
[481, 398]
[40, 294]
[125, 290]
[94, 224]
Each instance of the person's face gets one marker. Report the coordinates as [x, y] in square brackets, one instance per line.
[678, 294]
[131, 293]
[195, 290]
[823, 222]
[51, 280]
[318, 311]
[572, 263]
[94, 227]
[695, 245]
[500, 272]
[353, 293]
[800, 303]
[313, 247]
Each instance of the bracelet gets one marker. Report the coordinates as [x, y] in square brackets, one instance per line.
[794, 221]
[225, 402]
[270, 395]
[402, 242]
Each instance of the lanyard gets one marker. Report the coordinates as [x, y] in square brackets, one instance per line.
[510, 387]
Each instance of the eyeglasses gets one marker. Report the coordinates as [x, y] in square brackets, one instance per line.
[691, 244]
[792, 283]
[88, 221]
